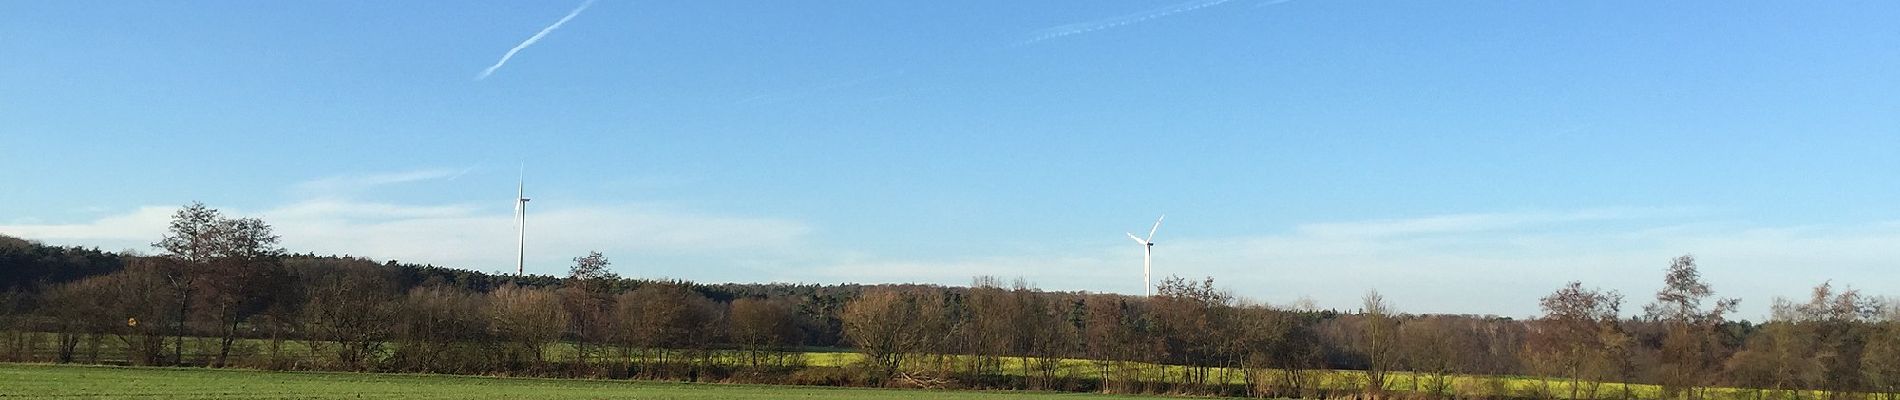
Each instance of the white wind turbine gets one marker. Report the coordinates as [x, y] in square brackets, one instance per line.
[1147, 254]
[521, 225]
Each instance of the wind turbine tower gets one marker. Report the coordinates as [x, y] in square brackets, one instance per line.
[1147, 255]
[521, 226]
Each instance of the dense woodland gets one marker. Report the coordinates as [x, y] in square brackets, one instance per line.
[221, 293]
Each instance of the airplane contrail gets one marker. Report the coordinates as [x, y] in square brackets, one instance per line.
[1123, 20]
[531, 39]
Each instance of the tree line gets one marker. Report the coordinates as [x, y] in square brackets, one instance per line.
[222, 293]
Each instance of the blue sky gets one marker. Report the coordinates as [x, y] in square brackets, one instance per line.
[1457, 156]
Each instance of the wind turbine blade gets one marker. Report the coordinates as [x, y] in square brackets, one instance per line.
[1151, 231]
[1138, 239]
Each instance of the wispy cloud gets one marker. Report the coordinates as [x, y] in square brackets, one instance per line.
[1269, 2]
[1480, 222]
[330, 208]
[345, 184]
[532, 39]
[1078, 28]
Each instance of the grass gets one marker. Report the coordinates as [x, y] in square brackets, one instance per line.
[45, 381]
[198, 350]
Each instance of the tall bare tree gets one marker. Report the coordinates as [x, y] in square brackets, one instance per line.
[985, 329]
[190, 245]
[1380, 341]
[1690, 346]
[234, 264]
[587, 297]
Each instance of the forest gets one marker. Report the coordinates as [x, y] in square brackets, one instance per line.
[222, 293]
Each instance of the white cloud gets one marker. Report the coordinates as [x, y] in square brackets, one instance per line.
[463, 236]
[1052, 272]
[345, 209]
[1479, 222]
[328, 219]
[111, 232]
[343, 185]
[486, 240]
[1474, 263]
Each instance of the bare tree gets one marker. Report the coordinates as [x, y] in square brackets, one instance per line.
[351, 306]
[1436, 348]
[985, 330]
[1113, 338]
[1380, 341]
[889, 324]
[1832, 326]
[1047, 334]
[20, 339]
[141, 294]
[529, 319]
[446, 329]
[1580, 335]
[79, 313]
[586, 296]
[1296, 352]
[190, 244]
[1690, 346]
[1191, 321]
[660, 317]
[1274, 347]
[235, 260]
[763, 329]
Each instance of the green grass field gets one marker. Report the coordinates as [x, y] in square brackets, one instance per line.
[64, 381]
